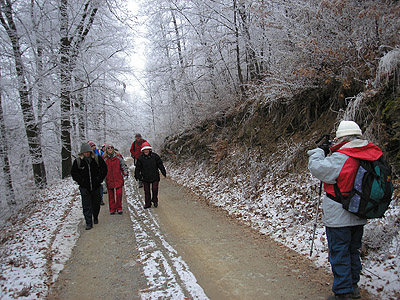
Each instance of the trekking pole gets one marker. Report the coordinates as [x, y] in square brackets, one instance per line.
[327, 142]
[316, 218]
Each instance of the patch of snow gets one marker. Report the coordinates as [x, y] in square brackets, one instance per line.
[168, 276]
[36, 247]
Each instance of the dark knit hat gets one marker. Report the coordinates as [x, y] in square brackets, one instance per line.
[85, 147]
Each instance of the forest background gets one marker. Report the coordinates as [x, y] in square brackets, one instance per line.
[234, 90]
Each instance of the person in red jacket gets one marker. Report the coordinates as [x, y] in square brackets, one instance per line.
[117, 169]
[136, 151]
[137, 147]
[344, 230]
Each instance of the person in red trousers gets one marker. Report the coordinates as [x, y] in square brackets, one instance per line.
[117, 170]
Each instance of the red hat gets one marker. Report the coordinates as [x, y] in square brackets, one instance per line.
[91, 143]
[145, 146]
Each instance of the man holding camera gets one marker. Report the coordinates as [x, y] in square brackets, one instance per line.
[344, 230]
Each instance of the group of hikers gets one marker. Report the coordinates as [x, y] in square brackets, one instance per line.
[92, 166]
[336, 166]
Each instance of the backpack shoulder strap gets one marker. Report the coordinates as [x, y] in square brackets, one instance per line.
[338, 194]
[79, 161]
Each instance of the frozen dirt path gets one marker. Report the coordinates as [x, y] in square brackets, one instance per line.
[184, 249]
[229, 260]
[103, 263]
[125, 257]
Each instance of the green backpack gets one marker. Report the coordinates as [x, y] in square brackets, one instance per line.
[372, 190]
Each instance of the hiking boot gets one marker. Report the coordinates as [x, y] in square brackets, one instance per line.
[340, 297]
[89, 226]
[356, 292]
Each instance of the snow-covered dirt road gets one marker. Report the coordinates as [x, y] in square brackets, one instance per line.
[126, 257]
[183, 249]
[229, 260]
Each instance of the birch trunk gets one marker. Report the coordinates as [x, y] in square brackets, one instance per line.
[9, 190]
[30, 123]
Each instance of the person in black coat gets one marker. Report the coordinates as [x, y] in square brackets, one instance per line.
[146, 170]
[89, 171]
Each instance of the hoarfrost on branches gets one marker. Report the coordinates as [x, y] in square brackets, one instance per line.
[389, 65]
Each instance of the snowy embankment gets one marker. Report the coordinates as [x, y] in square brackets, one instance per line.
[38, 241]
[284, 208]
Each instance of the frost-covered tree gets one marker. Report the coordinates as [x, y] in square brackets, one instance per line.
[190, 60]
[201, 53]
[89, 77]
[92, 64]
[4, 160]
[32, 127]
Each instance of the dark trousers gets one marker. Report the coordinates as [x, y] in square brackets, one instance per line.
[101, 192]
[148, 198]
[90, 204]
[134, 163]
[344, 245]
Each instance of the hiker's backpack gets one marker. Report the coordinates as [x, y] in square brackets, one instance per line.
[79, 160]
[372, 190]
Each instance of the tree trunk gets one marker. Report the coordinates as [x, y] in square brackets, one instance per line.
[9, 190]
[69, 50]
[178, 39]
[65, 80]
[238, 63]
[252, 63]
[189, 99]
[39, 76]
[104, 120]
[31, 125]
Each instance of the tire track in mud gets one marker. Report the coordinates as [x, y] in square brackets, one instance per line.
[168, 276]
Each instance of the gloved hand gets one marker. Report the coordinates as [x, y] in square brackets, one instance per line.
[325, 147]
